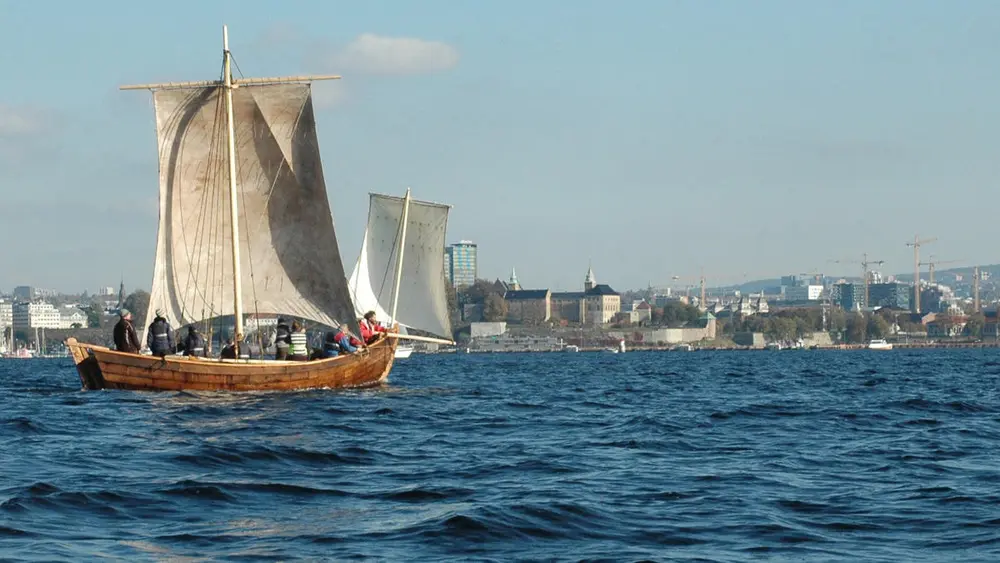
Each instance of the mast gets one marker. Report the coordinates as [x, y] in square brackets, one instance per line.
[227, 84]
[399, 261]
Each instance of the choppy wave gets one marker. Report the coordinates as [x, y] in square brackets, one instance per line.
[715, 456]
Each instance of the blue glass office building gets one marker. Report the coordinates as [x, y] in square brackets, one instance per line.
[461, 263]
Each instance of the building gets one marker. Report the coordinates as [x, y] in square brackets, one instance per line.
[803, 292]
[106, 291]
[791, 281]
[850, 296]
[24, 293]
[72, 318]
[596, 304]
[603, 303]
[447, 267]
[745, 306]
[260, 322]
[934, 298]
[892, 295]
[702, 329]
[37, 315]
[513, 283]
[6, 314]
[481, 330]
[644, 310]
[462, 262]
[947, 326]
[528, 306]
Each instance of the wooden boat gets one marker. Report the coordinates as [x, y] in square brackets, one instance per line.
[241, 182]
[103, 368]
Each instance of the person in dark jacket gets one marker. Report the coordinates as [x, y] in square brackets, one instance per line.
[126, 340]
[194, 344]
[250, 349]
[282, 340]
[160, 337]
[228, 351]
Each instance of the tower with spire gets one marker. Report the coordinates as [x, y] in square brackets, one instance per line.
[121, 295]
[589, 283]
[513, 284]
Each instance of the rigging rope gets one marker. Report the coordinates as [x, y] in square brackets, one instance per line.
[385, 275]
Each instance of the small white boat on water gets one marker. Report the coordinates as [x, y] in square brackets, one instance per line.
[403, 352]
[572, 348]
[683, 347]
[619, 350]
[879, 344]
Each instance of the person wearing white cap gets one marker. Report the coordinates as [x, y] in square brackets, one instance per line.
[160, 337]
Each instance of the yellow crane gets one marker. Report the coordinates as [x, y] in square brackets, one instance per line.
[931, 264]
[865, 263]
[688, 286]
[916, 244]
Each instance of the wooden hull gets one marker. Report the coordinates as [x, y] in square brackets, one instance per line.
[103, 368]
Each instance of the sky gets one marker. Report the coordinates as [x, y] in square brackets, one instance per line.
[651, 139]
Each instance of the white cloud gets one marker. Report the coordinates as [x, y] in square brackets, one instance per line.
[374, 54]
[20, 121]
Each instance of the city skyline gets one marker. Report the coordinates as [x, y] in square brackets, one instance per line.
[651, 140]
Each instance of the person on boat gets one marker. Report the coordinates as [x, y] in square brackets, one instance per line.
[126, 339]
[160, 337]
[331, 348]
[300, 348]
[250, 349]
[228, 351]
[345, 342]
[194, 344]
[328, 348]
[282, 340]
[370, 327]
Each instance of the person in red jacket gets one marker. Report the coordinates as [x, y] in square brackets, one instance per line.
[370, 327]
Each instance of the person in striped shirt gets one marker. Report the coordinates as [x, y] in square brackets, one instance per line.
[300, 343]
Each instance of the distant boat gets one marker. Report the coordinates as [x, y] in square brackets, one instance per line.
[403, 352]
[773, 346]
[879, 344]
[685, 347]
[619, 350]
[20, 354]
[572, 348]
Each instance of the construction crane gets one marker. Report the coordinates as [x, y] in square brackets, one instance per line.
[687, 287]
[815, 275]
[916, 244]
[931, 264]
[865, 263]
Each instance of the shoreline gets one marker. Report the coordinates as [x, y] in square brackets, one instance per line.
[694, 348]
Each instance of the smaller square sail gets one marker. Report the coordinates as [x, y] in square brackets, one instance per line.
[423, 298]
